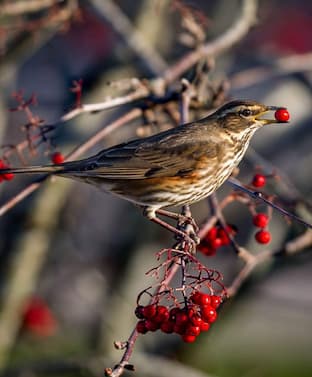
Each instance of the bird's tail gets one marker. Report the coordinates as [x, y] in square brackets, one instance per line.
[40, 169]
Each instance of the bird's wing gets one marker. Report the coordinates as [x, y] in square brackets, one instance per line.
[166, 154]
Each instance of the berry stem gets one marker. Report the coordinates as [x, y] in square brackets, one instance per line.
[183, 282]
[215, 209]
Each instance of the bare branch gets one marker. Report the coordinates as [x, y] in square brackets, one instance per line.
[226, 40]
[279, 67]
[26, 6]
[109, 103]
[123, 26]
[120, 367]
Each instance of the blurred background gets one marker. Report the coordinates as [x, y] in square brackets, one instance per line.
[77, 257]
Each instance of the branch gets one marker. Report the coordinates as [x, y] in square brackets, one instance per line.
[107, 103]
[280, 67]
[77, 152]
[27, 6]
[130, 343]
[290, 248]
[233, 35]
[226, 40]
[123, 26]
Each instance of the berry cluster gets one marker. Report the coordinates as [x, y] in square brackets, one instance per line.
[261, 220]
[5, 176]
[215, 238]
[188, 322]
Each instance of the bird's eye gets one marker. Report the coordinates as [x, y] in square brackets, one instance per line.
[245, 112]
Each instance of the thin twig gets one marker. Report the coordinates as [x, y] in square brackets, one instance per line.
[109, 103]
[123, 26]
[259, 195]
[229, 38]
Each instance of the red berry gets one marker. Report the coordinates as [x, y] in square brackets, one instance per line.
[211, 234]
[149, 311]
[204, 299]
[223, 237]
[5, 176]
[151, 325]
[162, 314]
[188, 338]
[57, 158]
[260, 220]
[215, 301]
[282, 115]
[8, 176]
[216, 243]
[173, 312]
[191, 311]
[200, 298]
[208, 313]
[196, 296]
[205, 326]
[141, 328]
[263, 236]
[38, 318]
[179, 329]
[222, 234]
[206, 249]
[192, 330]
[181, 318]
[139, 312]
[167, 327]
[259, 180]
[196, 320]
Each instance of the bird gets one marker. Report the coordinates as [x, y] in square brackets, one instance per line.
[175, 167]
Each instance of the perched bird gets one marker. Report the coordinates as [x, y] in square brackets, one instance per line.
[179, 166]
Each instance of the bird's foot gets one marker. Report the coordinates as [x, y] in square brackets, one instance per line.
[179, 217]
[186, 236]
[187, 242]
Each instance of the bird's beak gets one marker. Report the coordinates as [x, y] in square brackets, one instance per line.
[265, 121]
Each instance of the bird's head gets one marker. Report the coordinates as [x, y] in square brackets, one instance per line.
[237, 116]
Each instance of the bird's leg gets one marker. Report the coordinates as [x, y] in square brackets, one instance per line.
[178, 217]
[150, 213]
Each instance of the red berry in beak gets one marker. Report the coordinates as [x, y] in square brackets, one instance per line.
[282, 115]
